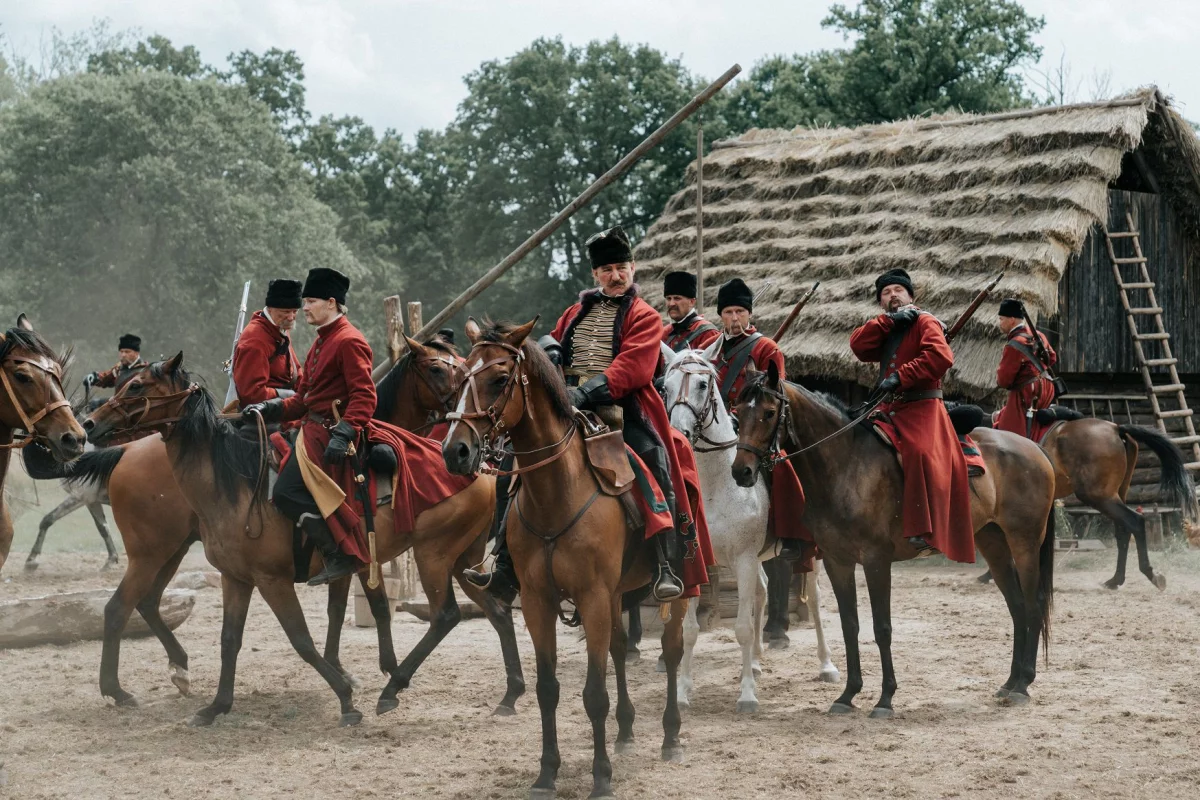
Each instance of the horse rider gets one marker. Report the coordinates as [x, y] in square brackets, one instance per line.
[687, 329]
[129, 363]
[336, 379]
[910, 346]
[608, 344]
[742, 345]
[1023, 374]
[264, 364]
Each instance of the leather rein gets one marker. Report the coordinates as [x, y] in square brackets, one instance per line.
[706, 415]
[51, 368]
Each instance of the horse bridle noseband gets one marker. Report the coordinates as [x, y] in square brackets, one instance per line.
[133, 411]
[707, 414]
[51, 368]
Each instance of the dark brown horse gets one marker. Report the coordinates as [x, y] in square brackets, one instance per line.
[567, 538]
[221, 474]
[31, 400]
[855, 492]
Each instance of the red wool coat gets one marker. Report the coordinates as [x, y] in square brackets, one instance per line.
[764, 352]
[937, 501]
[338, 368]
[637, 334]
[675, 334]
[1024, 384]
[263, 361]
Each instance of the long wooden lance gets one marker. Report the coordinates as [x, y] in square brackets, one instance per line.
[796, 309]
[959, 323]
[622, 166]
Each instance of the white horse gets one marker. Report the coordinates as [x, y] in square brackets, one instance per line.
[79, 495]
[737, 521]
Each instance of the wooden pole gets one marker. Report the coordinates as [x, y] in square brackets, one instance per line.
[579, 202]
[700, 220]
[414, 320]
[393, 315]
[406, 567]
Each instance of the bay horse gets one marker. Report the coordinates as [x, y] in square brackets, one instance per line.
[737, 520]
[855, 491]
[566, 537]
[221, 475]
[32, 400]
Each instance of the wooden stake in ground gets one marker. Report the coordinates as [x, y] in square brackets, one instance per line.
[700, 220]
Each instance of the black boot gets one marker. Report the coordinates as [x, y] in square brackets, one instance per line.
[667, 585]
[337, 563]
[502, 581]
[791, 549]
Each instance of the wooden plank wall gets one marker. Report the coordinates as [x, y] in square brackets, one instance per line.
[1092, 334]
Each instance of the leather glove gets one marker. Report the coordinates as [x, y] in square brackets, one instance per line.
[271, 411]
[890, 384]
[660, 384]
[904, 317]
[553, 349]
[91, 378]
[593, 393]
[578, 398]
[340, 437]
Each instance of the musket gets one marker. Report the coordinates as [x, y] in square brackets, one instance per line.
[959, 323]
[1060, 386]
[231, 395]
[796, 309]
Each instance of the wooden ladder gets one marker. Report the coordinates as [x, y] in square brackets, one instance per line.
[1159, 394]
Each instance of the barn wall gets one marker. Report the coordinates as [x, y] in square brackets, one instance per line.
[1093, 336]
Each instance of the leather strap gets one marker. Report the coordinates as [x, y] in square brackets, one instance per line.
[914, 396]
[736, 362]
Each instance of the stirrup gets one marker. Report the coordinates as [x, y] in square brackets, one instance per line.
[667, 586]
[334, 568]
[477, 578]
[790, 549]
[922, 546]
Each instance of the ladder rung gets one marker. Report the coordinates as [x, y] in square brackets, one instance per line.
[1182, 412]
[1193, 465]
[1141, 337]
[1160, 362]
[1187, 440]
[1169, 387]
[1130, 260]
[1121, 234]
[1141, 285]
[1143, 311]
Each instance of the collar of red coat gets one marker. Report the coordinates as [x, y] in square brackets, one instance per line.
[589, 296]
[270, 323]
[1017, 331]
[332, 327]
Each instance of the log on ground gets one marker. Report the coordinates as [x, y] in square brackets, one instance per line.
[76, 616]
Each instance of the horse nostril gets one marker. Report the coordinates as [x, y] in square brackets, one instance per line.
[89, 425]
[69, 440]
[462, 452]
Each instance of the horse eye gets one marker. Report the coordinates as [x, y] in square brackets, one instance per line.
[437, 371]
[769, 414]
[134, 387]
[703, 384]
[23, 378]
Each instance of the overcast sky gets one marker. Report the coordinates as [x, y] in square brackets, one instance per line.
[400, 63]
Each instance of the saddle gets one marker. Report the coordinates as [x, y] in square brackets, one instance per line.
[964, 418]
[608, 458]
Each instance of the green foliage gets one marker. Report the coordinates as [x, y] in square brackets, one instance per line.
[155, 53]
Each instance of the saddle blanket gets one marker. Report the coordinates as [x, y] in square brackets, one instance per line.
[975, 463]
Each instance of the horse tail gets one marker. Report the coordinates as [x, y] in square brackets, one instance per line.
[1174, 479]
[95, 467]
[1045, 589]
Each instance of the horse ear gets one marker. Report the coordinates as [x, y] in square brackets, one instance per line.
[174, 363]
[473, 330]
[520, 333]
[23, 323]
[773, 374]
[413, 345]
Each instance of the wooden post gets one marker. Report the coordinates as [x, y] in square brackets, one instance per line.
[394, 315]
[406, 567]
[700, 220]
[414, 319]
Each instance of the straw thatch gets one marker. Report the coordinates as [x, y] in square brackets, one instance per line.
[954, 201]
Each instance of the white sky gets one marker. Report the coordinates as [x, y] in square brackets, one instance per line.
[400, 63]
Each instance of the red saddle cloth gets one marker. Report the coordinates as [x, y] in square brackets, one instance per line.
[886, 432]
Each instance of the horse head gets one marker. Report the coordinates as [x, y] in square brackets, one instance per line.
[761, 409]
[33, 399]
[153, 398]
[693, 400]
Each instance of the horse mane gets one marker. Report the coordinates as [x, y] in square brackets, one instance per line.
[389, 385]
[832, 403]
[33, 342]
[538, 364]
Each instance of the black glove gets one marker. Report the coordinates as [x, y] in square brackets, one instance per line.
[660, 384]
[890, 384]
[553, 349]
[91, 378]
[340, 437]
[904, 317]
[593, 393]
[271, 411]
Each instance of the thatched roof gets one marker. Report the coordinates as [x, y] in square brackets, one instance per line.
[953, 200]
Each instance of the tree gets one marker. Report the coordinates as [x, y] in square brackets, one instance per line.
[275, 78]
[155, 53]
[60, 55]
[142, 201]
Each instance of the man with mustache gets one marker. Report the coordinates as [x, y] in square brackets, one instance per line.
[264, 364]
[687, 329]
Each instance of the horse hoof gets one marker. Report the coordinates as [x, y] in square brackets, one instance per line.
[756, 671]
[385, 705]
[1159, 581]
[661, 666]
[127, 701]
[350, 719]
[684, 704]
[1003, 692]
[1111, 584]
[879, 712]
[633, 655]
[623, 748]
[31, 566]
[673, 754]
[200, 720]
[830, 676]
[504, 711]
[841, 709]
[108, 565]
[1017, 699]
[179, 677]
[780, 642]
[747, 706]
[542, 794]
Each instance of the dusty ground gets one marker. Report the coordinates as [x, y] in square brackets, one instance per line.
[1115, 713]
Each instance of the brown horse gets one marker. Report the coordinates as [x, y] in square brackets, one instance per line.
[31, 400]
[220, 473]
[566, 537]
[855, 493]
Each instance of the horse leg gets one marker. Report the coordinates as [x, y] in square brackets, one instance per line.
[235, 598]
[761, 598]
[97, 512]
[1132, 523]
[540, 617]
[878, 570]
[1028, 568]
[58, 512]
[148, 607]
[747, 567]
[280, 595]
[992, 544]
[140, 576]
[335, 612]
[625, 711]
[434, 570]
[691, 633]
[672, 645]
[632, 601]
[829, 673]
[841, 577]
[1121, 532]
[500, 615]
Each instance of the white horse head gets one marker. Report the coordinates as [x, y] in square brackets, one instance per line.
[693, 398]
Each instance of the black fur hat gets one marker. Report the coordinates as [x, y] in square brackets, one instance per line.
[283, 293]
[680, 283]
[130, 342]
[609, 247]
[324, 283]
[893, 277]
[735, 293]
[1011, 307]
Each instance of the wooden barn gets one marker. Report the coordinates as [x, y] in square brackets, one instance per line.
[1092, 211]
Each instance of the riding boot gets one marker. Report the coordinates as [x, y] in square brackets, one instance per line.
[790, 549]
[337, 563]
[502, 581]
[668, 550]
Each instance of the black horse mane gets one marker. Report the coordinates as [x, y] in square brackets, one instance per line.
[756, 383]
[539, 366]
[388, 388]
[33, 342]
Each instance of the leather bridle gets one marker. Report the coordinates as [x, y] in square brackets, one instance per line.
[770, 456]
[51, 368]
[706, 414]
[133, 411]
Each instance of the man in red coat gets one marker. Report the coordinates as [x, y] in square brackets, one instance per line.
[742, 345]
[129, 363]
[1023, 374]
[910, 346]
[264, 364]
[687, 329]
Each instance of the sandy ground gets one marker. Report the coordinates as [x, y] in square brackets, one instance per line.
[1116, 711]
